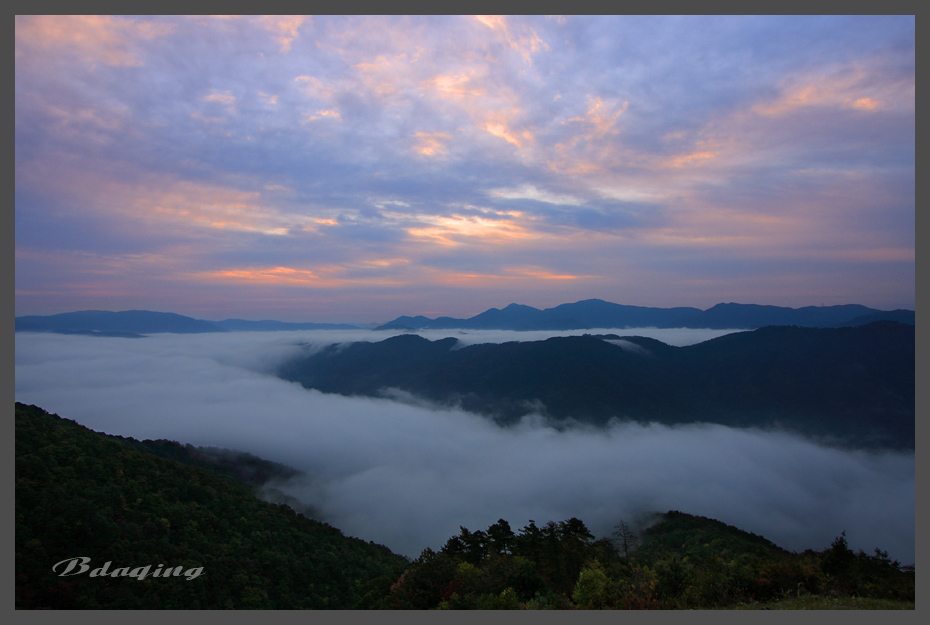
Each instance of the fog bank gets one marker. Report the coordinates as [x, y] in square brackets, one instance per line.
[408, 476]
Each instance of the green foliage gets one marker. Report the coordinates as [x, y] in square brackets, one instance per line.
[701, 538]
[83, 494]
[683, 562]
[863, 575]
[594, 589]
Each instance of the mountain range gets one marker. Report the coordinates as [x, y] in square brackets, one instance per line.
[583, 315]
[596, 313]
[851, 384]
[137, 323]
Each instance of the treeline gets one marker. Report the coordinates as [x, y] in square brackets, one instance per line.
[158, 504]
[680, 562]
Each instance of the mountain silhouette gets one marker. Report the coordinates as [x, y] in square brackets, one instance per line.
[854, 385]
[595, 313]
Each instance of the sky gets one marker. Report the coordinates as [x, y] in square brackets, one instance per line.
[409, 474]
[354, 169]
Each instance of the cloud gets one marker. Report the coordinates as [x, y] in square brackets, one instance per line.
[530, 192]
[525, 40]
[284, 28]
[226, 98]
[638, 149]
[454, 229]
[431, 143]
[157, 201]
[858, 87]
[91, 38]
[408, 476]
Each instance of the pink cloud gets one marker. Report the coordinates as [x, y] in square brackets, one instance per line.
[92, 38]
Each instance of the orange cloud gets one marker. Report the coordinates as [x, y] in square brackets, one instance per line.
[283, 28]
[592, 147]
[431, 143]
[385, 77]
[329, 113]
[91, 38]
[313, 224]
[449, 231]
[525, 43]
[500, 129]
[226, 98]
[509, 275]
[272, 275]
[490, 111]
[840, 91]
[383, 262]
[322, 277]
[603, 118]
[543, 274]
[866, 103]
[695, 158]
[452, 86]
[494, 22]
[158, 201]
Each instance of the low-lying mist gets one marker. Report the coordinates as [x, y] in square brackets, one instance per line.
[408, 476]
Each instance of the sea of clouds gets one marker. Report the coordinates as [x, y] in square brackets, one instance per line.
[408, 476]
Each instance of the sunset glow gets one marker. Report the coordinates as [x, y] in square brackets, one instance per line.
[450, 164]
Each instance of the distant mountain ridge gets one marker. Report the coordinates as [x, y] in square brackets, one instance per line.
[584, 315]
[127, 321]
[595, 313]
[137, 323]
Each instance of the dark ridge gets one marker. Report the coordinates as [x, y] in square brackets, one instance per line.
[595, 313]
[852, 386]
[101, 321]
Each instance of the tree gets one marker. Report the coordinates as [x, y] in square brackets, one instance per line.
[501, 537]
[592, 592]
[625, 538]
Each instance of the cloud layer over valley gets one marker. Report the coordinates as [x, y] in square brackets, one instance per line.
[408, 475]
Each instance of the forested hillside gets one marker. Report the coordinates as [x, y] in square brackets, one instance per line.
[678, 561]
[854, 385]
[83, 494]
